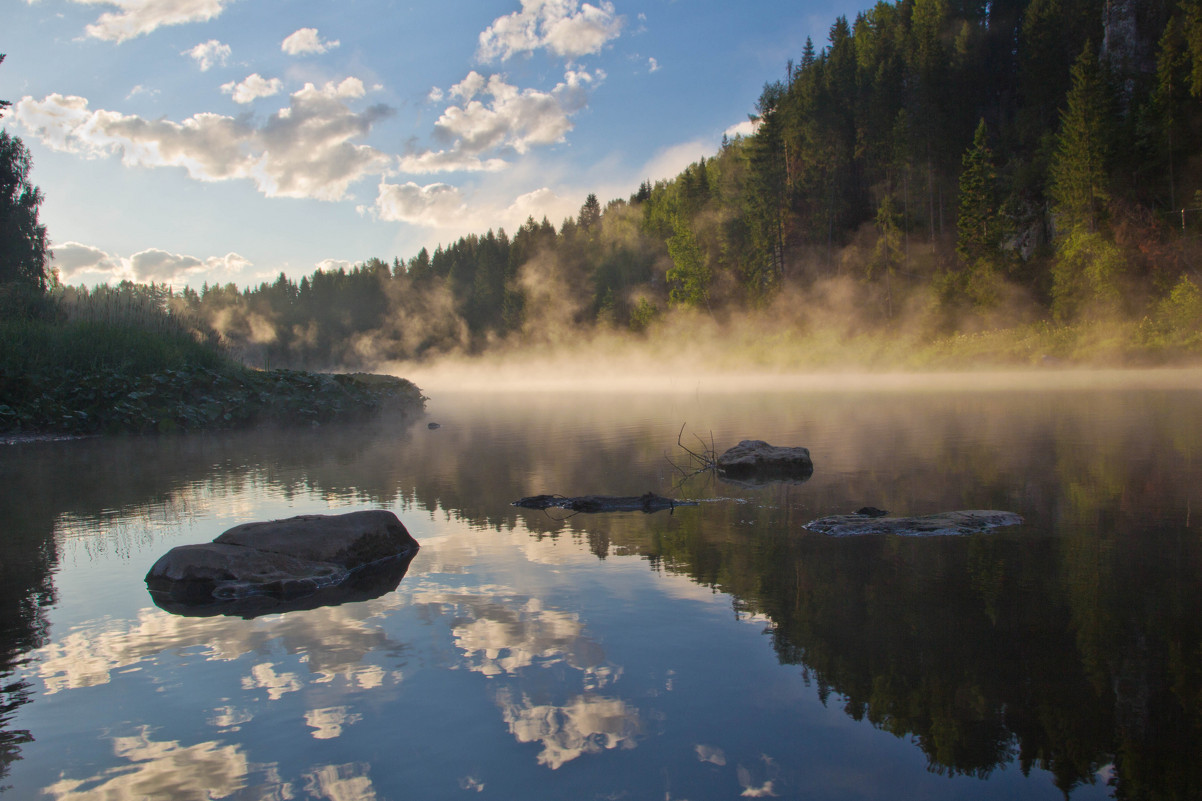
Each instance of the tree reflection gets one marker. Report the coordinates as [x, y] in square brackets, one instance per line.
[26, 591]
[1071, 644]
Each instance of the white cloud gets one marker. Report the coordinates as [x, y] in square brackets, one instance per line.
[435, 96]
[333, 265]
[470, 86]
[538, 204]
[206, 54]
[141, 90]
[306, 41]
[652, 65]
[565, 27]
[745, 128]
[304, 150]
[252, 86]
[159, 265]
[435, 205]
[78, 263]
[518, 119]
[671, 161]
[137, 17]
[434, 161]
[495, 115]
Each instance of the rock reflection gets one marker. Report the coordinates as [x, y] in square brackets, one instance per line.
[158, 769]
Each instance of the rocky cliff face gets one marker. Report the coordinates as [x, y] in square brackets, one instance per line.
[1129, 41]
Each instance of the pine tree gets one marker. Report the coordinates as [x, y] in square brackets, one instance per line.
[976, 227]
[1079, 183]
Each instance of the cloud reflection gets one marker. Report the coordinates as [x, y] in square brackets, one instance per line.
[327, 723]
[340, 783]
[332, 641]
[585, 725]
[161, 770]
[264, 677]
[504, 636]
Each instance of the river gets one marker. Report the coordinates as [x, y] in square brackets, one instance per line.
[714, 651]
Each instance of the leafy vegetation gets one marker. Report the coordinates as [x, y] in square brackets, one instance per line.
[117, 361]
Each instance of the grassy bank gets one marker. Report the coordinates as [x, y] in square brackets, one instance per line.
[69, 373]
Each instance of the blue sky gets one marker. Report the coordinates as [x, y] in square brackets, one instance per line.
[230, 140]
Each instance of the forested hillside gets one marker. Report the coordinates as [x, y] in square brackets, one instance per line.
[1018, 175]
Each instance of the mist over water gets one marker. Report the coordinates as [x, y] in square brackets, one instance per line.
[717, 651]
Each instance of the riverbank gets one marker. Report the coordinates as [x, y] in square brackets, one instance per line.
[66, 378]
[65, 401]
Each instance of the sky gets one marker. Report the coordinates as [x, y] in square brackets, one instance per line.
[218, 141]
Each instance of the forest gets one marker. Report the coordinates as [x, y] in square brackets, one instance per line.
[941, 180]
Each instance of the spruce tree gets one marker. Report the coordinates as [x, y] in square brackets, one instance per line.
[976, 226]
[1079, 183]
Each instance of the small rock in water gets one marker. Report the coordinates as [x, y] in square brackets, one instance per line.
[433, 426]
[754, 457]
[871, 511]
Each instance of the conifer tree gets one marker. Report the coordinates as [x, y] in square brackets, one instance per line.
[1079, 183]
[976, 226]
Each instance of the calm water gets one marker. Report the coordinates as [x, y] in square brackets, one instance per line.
[714, 653]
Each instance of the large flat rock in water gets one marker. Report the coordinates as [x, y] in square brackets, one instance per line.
[280, 559]
[349, 540]
[944, 524]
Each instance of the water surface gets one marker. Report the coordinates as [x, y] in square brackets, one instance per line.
[720, 651]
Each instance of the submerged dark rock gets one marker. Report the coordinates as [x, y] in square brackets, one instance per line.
[286, 561]
[361, 584]
[944, 524]
[649, 502]
[756, 460]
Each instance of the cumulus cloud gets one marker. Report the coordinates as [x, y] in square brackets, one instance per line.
[435, 205]
[252, 87]
[333, 265]
[78, 263]
[307, 41]
[134, 18]
[538, 204]
[565, 27]
[745, 128]
[652, 65]
[304, 150]
[432, 161]
[207, 54]
[495, 115]
[512, 118]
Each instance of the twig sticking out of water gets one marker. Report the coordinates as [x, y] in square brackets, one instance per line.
[706, 460]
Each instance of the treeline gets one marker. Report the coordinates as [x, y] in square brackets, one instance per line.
[960, 165]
